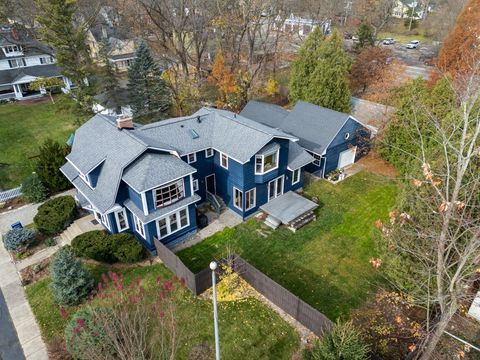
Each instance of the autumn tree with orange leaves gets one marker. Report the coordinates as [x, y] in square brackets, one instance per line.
[225, 81]
[461, 48]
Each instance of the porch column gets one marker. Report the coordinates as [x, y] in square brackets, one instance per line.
[18, 91]
[67, 83]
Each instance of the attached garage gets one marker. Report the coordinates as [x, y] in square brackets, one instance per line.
[347, 157]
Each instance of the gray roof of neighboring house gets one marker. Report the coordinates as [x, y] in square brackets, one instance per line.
[130, 205]
[13, 75]
[314, 125]
[153, 169]
[297, 156]
[270, 114]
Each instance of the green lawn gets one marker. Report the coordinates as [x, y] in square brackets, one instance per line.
[23, 128]
[326, 263]
[248, 329]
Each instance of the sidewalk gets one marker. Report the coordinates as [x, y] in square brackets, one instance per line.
[22, 317]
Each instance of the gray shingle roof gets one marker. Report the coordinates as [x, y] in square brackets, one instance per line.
[297, 156]
[153, 169]
[12, 75]
[270, 114]
[129, 204]
[97, 141]
[314, 125]
[219, 129]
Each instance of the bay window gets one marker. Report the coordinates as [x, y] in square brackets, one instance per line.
[266, 163]
[172, 223]
[169, 194]
[237, 198]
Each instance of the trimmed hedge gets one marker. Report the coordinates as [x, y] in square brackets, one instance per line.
[55, 215]
[18, 239]
[100, 246]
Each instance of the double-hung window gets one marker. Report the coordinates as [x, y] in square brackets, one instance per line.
[266, 163]
[15, 63]
[139, 227]
[275, 188]
[122, 221]
[318, 159]
[237, 198]
[191, 158]
[208, 152]
[296, 176]
[250, 199]
[173, 223]
[169, 194]
[46, 60]
[195, 185]
[224, 160]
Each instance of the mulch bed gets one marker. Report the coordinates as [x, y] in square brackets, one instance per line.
[375, 164]
[12, 204]
[35, 272]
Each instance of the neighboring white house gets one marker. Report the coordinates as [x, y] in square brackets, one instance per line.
[402, 9]
[304, 26]
[22, 61]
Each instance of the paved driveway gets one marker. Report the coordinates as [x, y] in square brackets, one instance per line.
[9, 345]
[24, 214]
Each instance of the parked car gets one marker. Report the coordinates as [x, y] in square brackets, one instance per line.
[388, 41]
[413, 44]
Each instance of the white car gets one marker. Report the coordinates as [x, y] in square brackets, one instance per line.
[413, 44]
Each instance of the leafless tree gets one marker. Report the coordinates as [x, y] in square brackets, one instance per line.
[376, 13]
[435, 236]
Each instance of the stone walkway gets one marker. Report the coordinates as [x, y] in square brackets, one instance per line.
[226, 219]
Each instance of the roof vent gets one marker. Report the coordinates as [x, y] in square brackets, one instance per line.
[193, 134]
[199, 120]
[125, 123]
[182, 126]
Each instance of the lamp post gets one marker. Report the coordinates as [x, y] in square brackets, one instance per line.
[213, 267]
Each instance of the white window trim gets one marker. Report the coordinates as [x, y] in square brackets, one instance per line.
[167, 221]
[293, 176]
[316, 162]
[195, 186]
[165, 185]
[276, 185]
[194, 158]
[118, 220]
[254, 203]
[262, 172]
[226, 157]
[234, 198]
[212, 152]
[106, 221]
[139, 225]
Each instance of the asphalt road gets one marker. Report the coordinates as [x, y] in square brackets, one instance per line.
[10, 348]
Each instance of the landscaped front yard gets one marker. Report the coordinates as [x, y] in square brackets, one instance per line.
[23, 128]
[326, 263]
[248, 328]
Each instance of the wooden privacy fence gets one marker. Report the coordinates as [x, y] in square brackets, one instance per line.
[305, 314]
[10, 194]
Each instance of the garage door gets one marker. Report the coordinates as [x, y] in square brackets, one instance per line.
[346, 157]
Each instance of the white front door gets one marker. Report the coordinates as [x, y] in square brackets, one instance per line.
[347, 157]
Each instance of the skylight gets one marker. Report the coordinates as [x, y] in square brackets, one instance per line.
[193, 134]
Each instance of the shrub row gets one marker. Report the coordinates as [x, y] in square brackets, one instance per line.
[98, 245]
[55, 215]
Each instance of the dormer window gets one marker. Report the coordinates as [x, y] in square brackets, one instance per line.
[12, 50]
[266, 162]
[85, 178]
[169, 194]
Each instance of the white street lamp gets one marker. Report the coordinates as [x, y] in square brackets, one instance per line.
[213, 267]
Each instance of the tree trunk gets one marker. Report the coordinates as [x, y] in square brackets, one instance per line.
[435, 336]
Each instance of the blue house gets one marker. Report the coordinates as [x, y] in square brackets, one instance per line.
[149, 179]
[334, 139]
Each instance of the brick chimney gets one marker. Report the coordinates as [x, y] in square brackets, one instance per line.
[125, 123]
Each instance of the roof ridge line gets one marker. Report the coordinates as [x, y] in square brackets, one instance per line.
[141, 142]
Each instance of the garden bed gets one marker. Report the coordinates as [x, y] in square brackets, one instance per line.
[248, 329]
